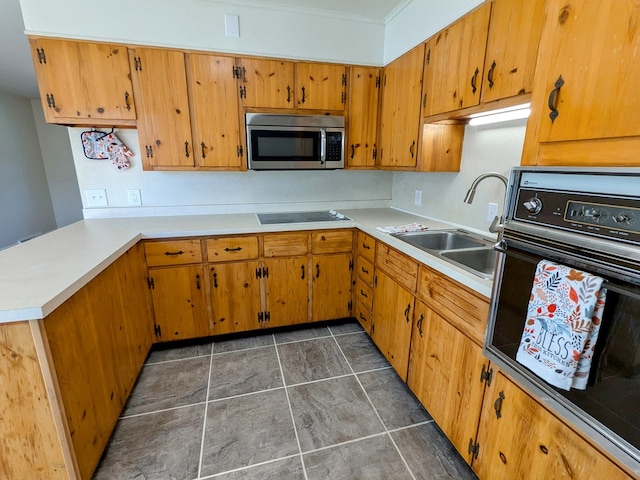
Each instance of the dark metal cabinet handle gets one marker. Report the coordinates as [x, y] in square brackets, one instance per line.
[412, 149]
[553, 99]
[215, 280]
[236, 249]
[497, 405]
[353, 149]
[364, 270]
[317, 270]
[419, 325]
[362, 292]
[303, 94]
[302, 278]
[127, 102]
[365, 246]
[490, 74]
[186, 149]
[198, 282]
[474, 80]
[173, 254]
[407, 311]
[288, 94]
[204, 150]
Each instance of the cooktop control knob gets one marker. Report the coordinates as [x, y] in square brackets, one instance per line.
[533, 205]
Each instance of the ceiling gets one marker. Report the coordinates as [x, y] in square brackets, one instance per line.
[17, 76]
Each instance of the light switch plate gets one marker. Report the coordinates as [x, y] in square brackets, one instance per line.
[96, 198]
[231, 25]
[135, 200]
[417, 199]
[492, 211]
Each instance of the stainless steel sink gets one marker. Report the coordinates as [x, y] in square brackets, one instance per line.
[442, 240]
[478, 261]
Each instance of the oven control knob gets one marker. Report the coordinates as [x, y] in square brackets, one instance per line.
[533, 205]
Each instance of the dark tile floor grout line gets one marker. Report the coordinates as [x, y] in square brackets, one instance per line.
[386, 430]
[206, 407]
[293, 420]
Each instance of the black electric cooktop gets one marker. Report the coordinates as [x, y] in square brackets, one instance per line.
[300, 217]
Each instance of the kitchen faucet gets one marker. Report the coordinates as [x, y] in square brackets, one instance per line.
[468, 198]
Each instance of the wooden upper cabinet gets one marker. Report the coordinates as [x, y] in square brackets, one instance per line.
[585, 86]
[454, 63]
[164, 124]
[83, 83]
[364, 89]
[512, 47]
[320, 86]
[400, 113]
[526, 441]
[266, 83]
[214, 112]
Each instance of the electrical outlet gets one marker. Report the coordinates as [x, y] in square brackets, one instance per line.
[417, 200]
[492, 211]
[135, 200]
[96, 198]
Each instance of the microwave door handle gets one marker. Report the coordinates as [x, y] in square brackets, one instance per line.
[323, 144]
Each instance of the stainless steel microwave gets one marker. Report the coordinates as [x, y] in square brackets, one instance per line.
[294, 142]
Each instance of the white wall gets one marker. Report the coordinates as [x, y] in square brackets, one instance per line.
[25, 204]
[59, 168]
[495, 147]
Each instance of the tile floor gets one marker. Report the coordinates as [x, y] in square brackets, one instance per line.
[312, 403]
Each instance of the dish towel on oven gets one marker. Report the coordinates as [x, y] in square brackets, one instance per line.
[562, 325]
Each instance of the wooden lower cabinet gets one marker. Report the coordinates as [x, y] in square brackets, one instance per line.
[518, 438]
[286, 291]
[235, 296]
[392, 321]
[179, 303]
[444, 373]
[331, 286]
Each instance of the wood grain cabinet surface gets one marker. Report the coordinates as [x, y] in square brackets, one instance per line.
[362, 115]
[84, 83]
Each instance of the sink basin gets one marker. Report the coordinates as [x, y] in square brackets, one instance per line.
[441, 240]
[479, 261]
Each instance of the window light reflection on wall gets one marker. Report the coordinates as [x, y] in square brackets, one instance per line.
[501, 115]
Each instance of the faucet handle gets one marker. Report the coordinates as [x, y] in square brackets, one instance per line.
[496, 225]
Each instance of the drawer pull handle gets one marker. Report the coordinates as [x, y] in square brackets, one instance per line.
[553, 99]
[364, 270]
[362, 317]
[173, 254]
[302, 272]
[236, 249]
[363, 294]
[365, 246]
[497, 405]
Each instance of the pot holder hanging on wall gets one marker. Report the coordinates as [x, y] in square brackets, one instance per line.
[99, 145]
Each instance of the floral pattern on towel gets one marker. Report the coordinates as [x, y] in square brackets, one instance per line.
[563, 321]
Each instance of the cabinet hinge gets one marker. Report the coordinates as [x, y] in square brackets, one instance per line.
[344, 79]
[267, 316]
[428, 56]
[258, 272]
[265, 272]
[243, 91]
[260, 317]
[157, 330]
[137, 63]
[486, 375]
[350, 264]
[51, 101]
[238, 72]
[149, 151]
[150, 283]
[385, 80]
[240, 151]
[378, 81]
[42, 58]
[344, 97]
[374, 153]
[474, 448]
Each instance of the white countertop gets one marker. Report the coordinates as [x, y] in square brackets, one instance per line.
[38, 276]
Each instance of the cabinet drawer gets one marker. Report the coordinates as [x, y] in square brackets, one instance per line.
[364, 294]
[285, 245]
[232, 248]
[172, 252]
[332, 241]
[462, 307]
[399, 266]
[365, 271]
[364, 316]
[366, 246]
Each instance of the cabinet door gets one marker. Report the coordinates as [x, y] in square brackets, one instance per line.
[454, 63]
[287, 290]
[400, 112]
[392, 322]
[214, 111]
[364, 88]
[526, 441]
[235, 296]
[331, 286]
[444, 374]
[586, 79]
[512, 47]
[266, 83]
[164, 124]
[320, 86]
[179, 303]
[83, 82]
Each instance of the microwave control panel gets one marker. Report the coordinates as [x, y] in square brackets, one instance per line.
[334, 147]
[613, 218]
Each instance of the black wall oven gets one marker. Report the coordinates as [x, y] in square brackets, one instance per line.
[589, 221]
